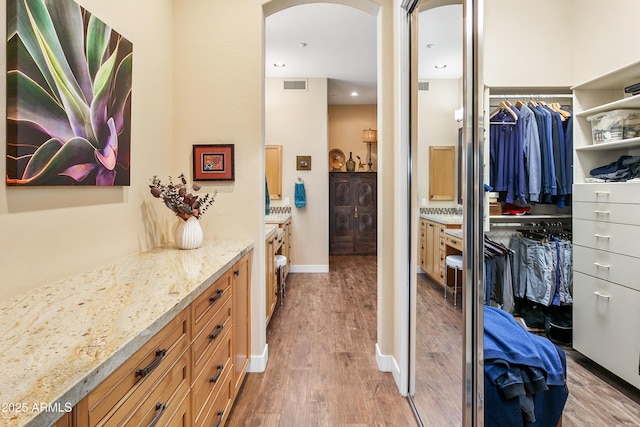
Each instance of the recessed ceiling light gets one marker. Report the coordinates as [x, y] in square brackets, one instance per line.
[302, 45]
[354, 94]
[430, 45]
[441, 66]
[279, 64]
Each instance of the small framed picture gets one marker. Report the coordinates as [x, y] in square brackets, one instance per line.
[213, 162]
[303, 163]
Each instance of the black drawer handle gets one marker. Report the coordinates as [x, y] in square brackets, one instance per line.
[160, 408]
[236, 272]
[153, 365]
[219, 414]
[217, 377]
[216, 297]
[217, 332]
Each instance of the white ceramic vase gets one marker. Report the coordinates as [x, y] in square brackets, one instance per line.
[188, 234]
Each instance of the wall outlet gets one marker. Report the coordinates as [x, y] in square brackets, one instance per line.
[287, 201]
[423, 202]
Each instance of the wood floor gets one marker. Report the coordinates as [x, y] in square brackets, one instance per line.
[322, 369]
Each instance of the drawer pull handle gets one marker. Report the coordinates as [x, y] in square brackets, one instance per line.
[160, 408]
[216, 297]
[601, 295]
[453, 242]
[601, 193]
[153, 365]
[597, 264]
[236, 272]
[219, 414]
[601, 236]
[217, 332]
[217, 377]
[597, 212]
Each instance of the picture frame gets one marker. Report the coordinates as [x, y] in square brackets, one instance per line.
[303, 163]
[213, 162]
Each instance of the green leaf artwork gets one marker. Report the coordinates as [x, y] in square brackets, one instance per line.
[69, 79]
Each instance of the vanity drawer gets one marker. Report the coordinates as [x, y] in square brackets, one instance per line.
[454, 242]
[134, 379]
[207, 304]
[606, 325]
[620, 269]
[620, 192]
[162, 403]
[620, 213]
[210, 380]
[211, 336]
[216, 414]
[607, 236]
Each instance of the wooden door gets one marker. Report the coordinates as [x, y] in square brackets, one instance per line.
[352, 213]
[442, 172]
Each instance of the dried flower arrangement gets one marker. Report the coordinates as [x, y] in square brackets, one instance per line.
[178, 198]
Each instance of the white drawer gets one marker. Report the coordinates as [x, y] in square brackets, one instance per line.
[620, 269]
[606, 325]
[622, 213]
[607, 236]
[615, 192]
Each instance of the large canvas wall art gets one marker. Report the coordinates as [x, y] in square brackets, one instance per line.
[69, 79]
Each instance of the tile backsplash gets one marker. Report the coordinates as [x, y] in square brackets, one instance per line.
[441, 211]
[279, 210]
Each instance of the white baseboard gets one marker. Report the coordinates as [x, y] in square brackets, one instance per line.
[387, 363]
[259, 363]
[309, 268]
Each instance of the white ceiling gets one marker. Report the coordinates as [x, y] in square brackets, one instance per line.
[341, 46]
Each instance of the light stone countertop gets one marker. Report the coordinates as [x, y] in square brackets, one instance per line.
[269, 229]
[443, 218]
[61, 340]
[278, 218]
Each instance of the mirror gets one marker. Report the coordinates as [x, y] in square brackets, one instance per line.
[273, 170]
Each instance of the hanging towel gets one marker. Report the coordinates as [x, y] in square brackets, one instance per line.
[299, 195]
[267, 198]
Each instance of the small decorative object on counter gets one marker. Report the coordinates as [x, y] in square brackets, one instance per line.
[351, 164]
[187, 206]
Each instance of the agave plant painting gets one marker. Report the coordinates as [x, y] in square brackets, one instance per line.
[68, 96]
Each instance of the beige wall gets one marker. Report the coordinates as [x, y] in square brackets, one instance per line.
[346, 123]
[297, 120]
[50, 233]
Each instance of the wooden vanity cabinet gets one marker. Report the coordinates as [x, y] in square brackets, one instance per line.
[189, 373]
[433, 249]
[270, 279]
[442, 167]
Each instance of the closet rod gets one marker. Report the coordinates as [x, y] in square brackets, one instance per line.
[533, 95]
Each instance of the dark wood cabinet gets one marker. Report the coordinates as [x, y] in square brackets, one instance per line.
[352, 213]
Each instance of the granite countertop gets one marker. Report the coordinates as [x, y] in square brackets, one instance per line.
[443, 218]
[269, 230]
[277, 218]
[61, 340]
[455, 232]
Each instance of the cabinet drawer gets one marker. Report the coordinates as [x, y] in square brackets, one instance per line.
[216, 413]
[205, 343]
[607, 236]
[207, 304]
[620, 269]
[607, 212]
[211, 380]
[454, 242]
[161, 403]
[606, 325]
[133, 380]
[620, 192]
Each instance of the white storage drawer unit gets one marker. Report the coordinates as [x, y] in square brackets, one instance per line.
[616, 268]
[607, 236]
[621, 213]
[612, 192]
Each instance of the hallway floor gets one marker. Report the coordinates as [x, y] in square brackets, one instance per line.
[322, 369]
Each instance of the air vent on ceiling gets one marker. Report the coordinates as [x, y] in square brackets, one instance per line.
[423, 85]
[300, 85]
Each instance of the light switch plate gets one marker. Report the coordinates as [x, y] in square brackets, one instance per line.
[287, 201]
[423, 203]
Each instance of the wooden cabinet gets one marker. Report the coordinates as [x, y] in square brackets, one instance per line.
[286, 245]
[433, 249]
[270, 271]
[273, 170]
[442, 172]
[189, 373]
[352, 213]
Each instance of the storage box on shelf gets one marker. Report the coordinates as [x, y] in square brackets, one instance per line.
[606, 321]
[615, 125]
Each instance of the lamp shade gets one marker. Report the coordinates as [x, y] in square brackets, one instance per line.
[370, 135]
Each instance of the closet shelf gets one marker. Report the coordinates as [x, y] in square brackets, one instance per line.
[527, 218]
[615, 79]
[615, 145]
[629, 102]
